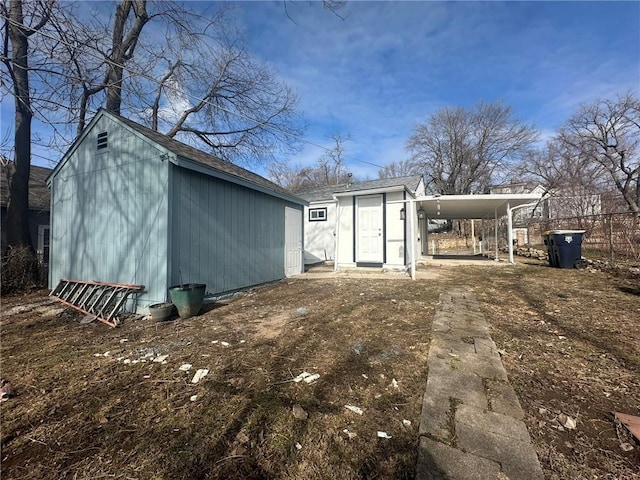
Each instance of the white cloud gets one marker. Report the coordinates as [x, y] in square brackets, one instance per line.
[174, 103]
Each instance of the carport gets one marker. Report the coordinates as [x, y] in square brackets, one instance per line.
[470, 207]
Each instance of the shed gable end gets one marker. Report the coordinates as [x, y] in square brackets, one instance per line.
[110, 211]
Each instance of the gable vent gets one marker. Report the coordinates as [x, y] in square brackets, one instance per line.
[102, 140]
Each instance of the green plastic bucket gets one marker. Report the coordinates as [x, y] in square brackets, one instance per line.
[188, 298]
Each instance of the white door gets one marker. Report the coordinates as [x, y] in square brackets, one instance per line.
[292, 241]
[369, 248]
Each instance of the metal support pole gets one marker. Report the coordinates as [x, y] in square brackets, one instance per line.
[495, 231]
[336, 245]
[426, 236]
[611, 249]
[510, 233]
[412, 235]
[473, 235]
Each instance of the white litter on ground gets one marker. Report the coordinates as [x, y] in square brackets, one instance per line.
[383, 434]
[193, 398]
[160, 358]
[312, 378]
[354, 409]
[406, 423]
[185, 367]
[301, 377]
[200, 374]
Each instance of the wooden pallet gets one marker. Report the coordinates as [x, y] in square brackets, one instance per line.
[102, 300]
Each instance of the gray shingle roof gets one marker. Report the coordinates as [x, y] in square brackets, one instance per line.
[325, 192]
[39, 194]
[192, 153]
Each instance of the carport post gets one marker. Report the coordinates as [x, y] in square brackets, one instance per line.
[335, 234]
[495, 231]
[510, 233]
[473, 235]
[412, 235]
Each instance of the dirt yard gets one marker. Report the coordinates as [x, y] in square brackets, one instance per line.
[96, 402]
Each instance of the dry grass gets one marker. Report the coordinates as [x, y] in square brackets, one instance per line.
[572, 342]
[79, 415]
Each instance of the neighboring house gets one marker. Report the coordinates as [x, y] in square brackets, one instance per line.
[39, 199]
[361, 224]
[555, 204]
[130, 205]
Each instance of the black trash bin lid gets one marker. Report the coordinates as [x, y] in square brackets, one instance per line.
[562, 232]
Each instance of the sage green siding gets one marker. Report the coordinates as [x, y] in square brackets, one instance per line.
[223, 234]
[110, 211]
[136, 212]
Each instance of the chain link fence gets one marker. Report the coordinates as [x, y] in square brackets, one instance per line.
[614, 237]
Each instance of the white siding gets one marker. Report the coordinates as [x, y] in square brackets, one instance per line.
[319, 237]
[395, 230]
[345, 231]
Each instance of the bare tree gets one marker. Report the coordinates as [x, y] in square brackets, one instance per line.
[328, 170]
[19, 26]
[605, 136]
[460, 151]
[402, 168]
[198, 84]
[333, 6]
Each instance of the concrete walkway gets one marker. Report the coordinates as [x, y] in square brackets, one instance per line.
[471, 425]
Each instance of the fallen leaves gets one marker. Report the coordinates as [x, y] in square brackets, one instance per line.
[567, 422]
[299, 412]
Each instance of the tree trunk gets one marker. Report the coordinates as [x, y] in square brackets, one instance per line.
[122, 48]
[17, 220]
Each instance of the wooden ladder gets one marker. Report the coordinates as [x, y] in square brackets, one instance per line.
[99, 299]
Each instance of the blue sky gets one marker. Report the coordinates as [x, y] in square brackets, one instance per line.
[389, 65]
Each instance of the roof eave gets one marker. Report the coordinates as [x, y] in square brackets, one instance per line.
[374, 191]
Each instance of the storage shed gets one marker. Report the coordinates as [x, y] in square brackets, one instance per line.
[131, 205]
[363, 224]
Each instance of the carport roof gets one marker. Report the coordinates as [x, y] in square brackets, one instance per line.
[452, 207]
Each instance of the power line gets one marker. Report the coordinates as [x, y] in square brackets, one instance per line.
[193, 97]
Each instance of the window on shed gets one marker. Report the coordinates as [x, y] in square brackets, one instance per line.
[102, 140]
[318, 214]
